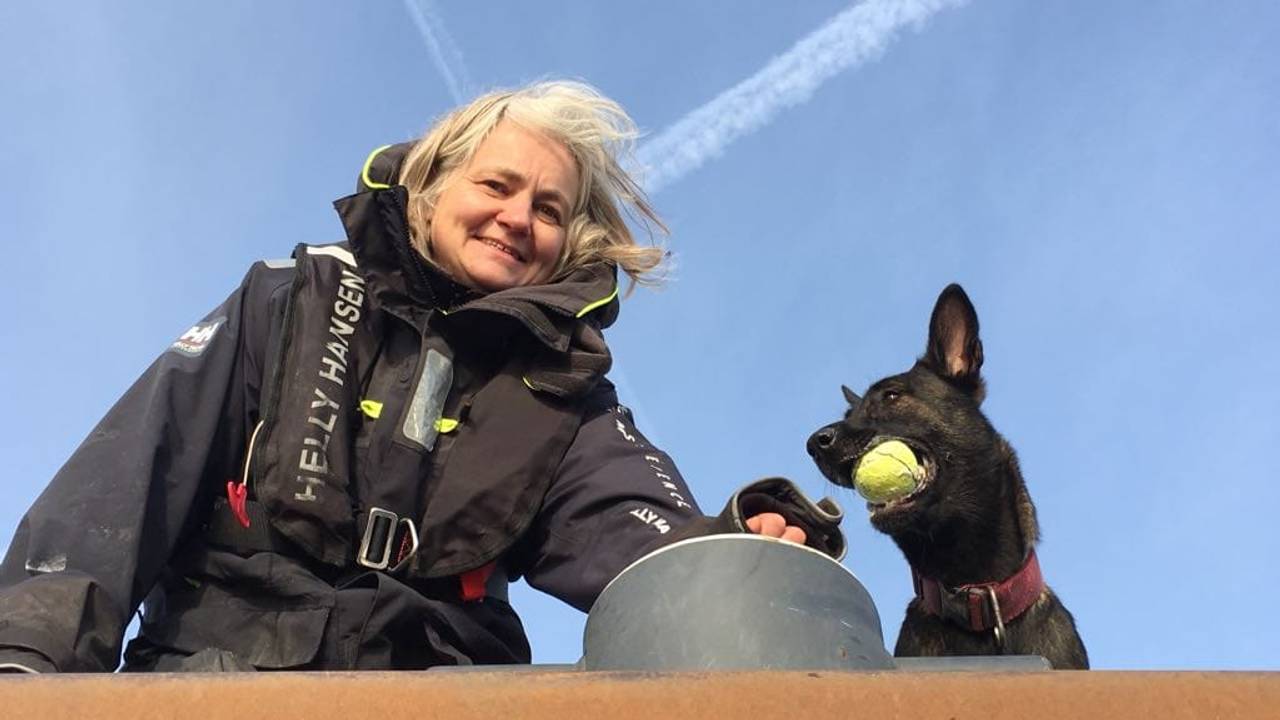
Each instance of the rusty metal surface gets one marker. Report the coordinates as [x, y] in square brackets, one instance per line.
[621, 696]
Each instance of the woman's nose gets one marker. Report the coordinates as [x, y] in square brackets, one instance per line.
[516, 215]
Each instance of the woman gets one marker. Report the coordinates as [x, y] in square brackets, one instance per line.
[343, 464]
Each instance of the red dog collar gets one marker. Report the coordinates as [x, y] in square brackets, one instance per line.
[983, 606]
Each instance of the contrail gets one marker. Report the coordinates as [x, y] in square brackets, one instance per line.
[445, 55]
[849, 39]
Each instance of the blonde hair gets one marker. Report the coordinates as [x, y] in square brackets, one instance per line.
[595, 130]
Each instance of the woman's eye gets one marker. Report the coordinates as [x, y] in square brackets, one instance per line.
[550, 213]
[495, 185]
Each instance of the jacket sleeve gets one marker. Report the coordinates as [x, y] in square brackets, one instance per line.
[95, 541]
[614, 498]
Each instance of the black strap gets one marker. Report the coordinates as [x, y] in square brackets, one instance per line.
[224, 530]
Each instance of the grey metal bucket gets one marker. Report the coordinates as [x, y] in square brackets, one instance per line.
[734, 602]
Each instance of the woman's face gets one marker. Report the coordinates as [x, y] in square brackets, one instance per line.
[500, 220]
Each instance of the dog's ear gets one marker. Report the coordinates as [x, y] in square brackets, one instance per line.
[955, 350]
[850, 396]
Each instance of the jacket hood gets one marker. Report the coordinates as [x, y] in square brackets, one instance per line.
[381, 169]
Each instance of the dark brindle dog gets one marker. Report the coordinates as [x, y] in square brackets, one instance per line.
[969, 528]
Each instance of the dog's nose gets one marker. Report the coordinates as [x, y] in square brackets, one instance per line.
[821, 440]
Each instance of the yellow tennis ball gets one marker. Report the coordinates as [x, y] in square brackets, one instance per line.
[888, 471]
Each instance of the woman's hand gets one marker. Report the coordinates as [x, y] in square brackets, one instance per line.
[775, 526]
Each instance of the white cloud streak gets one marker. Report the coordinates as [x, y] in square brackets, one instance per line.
[853, 37]
[444, 53]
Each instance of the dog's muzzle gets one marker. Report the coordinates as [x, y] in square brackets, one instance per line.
[822, 441]
[824, 448]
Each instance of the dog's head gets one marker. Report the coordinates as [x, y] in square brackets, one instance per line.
[934, 409]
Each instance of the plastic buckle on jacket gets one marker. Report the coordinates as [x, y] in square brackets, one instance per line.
[379, 537]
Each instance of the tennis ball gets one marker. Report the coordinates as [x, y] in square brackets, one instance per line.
[887, 472]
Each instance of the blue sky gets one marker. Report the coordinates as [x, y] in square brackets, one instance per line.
[1100, 176]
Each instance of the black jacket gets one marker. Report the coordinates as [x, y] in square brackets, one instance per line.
[140, 511]
[126, 518]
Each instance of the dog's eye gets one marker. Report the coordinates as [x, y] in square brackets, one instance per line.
[890, 396]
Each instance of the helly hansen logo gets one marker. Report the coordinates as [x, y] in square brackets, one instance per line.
[313, 462]
[194, 341]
